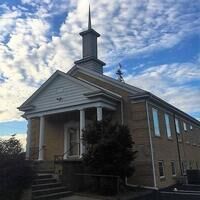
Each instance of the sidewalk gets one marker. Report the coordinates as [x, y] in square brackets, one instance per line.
[147, 194]
[78, 197]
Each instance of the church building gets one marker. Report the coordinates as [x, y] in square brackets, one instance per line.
[167, 139]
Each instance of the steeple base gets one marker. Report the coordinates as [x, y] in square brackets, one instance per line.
[91, 63]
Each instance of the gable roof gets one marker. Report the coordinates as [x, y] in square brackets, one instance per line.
[112, 81]
[135, 93]
[26, 105]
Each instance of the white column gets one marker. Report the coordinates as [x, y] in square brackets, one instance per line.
[99, 114]
[41, 138]
[65, 144]
[82, 126]
[28, 139]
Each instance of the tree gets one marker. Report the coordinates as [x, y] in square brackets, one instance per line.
[109, 149]
[15, 172]
[10, 149]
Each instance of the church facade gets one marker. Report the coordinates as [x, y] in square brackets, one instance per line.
[167, 139]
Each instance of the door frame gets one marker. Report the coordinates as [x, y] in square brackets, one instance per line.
[67, 125]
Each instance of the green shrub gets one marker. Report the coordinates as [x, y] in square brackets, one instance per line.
[15, 172]
[109, 149]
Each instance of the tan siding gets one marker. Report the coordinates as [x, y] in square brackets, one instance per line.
[167, 150]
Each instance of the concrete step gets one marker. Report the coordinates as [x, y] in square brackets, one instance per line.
[45, 186]
[49, 171]
[53, 196]
[44, 176]
[49, 191]
[44, 180]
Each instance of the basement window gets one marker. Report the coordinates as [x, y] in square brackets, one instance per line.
[161, 169]
[173, 168]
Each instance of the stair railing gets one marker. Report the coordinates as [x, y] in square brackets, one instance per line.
[61, 156]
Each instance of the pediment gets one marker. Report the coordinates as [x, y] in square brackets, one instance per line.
[60, 90]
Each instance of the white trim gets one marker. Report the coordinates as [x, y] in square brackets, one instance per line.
[99, 113]
[41, 138]
[48, 81]
[71, 108]
[82, 126]
[67, 125]
[151, 146]
[65, 142]
[28, 139]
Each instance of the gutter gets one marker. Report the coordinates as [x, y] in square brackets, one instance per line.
[159, 101]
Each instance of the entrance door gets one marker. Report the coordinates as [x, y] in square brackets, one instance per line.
[71, 140]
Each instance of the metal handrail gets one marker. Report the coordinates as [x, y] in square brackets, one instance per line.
[57, 157]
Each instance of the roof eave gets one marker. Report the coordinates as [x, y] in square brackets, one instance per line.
[152, 97]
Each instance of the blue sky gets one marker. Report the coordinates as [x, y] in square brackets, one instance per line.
[157, 43]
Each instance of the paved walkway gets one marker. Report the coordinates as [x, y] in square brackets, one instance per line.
[77, 197]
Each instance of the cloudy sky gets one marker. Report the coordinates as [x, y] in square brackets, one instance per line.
[156, 41]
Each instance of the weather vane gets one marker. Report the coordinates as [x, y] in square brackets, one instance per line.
[119, 73]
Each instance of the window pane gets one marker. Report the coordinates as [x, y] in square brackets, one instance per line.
[184, 166]
[156, 122]
[73, 142]
[184, 126]
[167, 125]
[173, 168]
[161, 168]
[177, 125]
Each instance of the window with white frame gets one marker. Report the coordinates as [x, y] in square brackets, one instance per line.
[156, 122]
[167, 125]
[190, 164]
[161, 168]
[184, 126]
[173, 168]
[197, 164]
[191, 127]
[184, 167]
[177, 126]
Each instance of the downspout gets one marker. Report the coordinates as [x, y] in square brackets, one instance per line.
[122, 112]
[178, 149]
[151, 146]
[152, 158]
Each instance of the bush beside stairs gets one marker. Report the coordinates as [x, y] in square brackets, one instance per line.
[46, 186]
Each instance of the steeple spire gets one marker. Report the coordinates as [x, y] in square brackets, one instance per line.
[89, 49]
[89, 20]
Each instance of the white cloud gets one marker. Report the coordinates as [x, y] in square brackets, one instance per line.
[30, 52]
[173, 83]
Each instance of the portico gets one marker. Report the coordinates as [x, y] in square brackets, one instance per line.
[68, 126]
